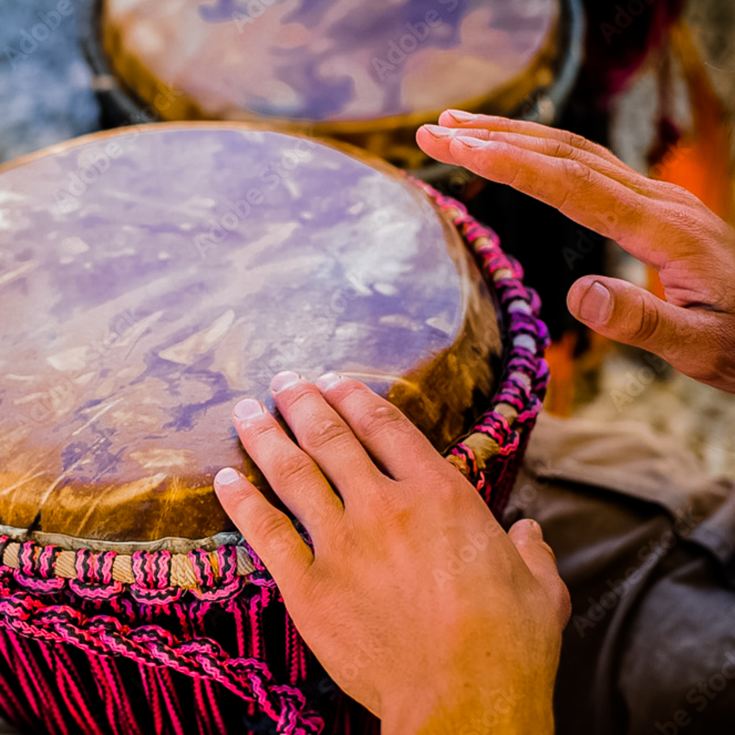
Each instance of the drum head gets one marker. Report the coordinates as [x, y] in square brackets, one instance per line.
[154, 276]
[343, 68]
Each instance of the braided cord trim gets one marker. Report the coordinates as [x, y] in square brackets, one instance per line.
[152, 645]
[491, 454]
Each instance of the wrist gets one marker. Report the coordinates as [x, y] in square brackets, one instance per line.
[498, 711]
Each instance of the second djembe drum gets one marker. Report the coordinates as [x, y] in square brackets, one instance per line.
[365, 72]
[150, 279]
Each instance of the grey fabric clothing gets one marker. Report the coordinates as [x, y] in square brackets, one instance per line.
[646, 543]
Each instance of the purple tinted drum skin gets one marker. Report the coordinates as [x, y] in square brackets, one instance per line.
[368, 72]
[152, 277]
[331, 61]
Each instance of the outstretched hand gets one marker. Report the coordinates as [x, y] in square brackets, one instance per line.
[661, 224]
[413, 598]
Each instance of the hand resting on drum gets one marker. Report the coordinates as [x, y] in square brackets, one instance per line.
[659, 223]
[413, 598]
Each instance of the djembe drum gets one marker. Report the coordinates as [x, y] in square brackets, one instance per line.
[365, 72]
[151, 278]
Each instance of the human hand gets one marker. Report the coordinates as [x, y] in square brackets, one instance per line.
[414, 600]
[661, 224]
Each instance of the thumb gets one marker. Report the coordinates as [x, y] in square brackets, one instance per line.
[626, 313]
[528, 539]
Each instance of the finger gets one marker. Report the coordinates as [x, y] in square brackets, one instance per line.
[490, 126]
[550, 146]
[323, 435]
[528, 539]
[289, 471]
[271, 534]
[684, 208]
[629, 314]
[581, 193]
[465, 120]
[387, 434]
[689, 339]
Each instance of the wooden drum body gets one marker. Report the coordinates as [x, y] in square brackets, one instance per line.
[150, 279]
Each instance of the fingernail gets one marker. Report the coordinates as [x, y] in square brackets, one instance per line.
[284, 380]
[248, 409]
[327, 381]
[437, 131]
[471, 142]
[533, 528]
[227, 477]
[462, 116]
[596, 304]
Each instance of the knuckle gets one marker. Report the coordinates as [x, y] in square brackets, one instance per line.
[560, 149]
[445, 483]
[381, 419]
[577, 171]
[675, 193]
[270, 527]
[574, 140]
[349, 390]
[262, 431]
[291, 399]
[646, 324]
[291, 468]
[324, 433]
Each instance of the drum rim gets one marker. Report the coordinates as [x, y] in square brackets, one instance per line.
[351, 149]
[569, 24]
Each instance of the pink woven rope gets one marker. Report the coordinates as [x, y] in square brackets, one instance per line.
[526, 339]
[88, 613]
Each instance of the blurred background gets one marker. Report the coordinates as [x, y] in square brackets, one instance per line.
[653, 79]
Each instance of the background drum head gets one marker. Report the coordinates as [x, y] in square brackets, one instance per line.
[369, 73]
